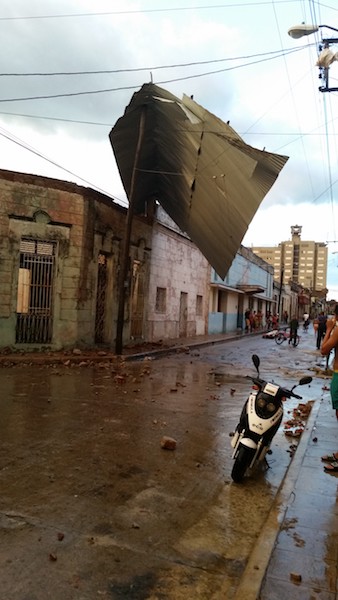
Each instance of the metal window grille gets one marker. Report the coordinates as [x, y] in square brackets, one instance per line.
[101, 298]
[35, 292]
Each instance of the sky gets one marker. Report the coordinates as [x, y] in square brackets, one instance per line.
[71, 67]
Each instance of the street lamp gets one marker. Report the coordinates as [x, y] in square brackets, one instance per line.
[298, 31]
[325, 57]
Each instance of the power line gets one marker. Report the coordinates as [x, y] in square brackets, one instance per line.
[247, 132]
[145, 11]
[133, 87]
[152, 68]
[95, 123]
[102, 124]
[22, 144]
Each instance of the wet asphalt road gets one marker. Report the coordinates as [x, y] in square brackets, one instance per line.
[92, 507]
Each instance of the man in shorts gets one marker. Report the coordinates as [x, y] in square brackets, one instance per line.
[330, 342]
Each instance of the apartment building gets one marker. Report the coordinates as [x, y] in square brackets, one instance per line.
[303, 262]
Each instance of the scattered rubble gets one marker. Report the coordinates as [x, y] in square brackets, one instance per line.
[295, 577]
[295, 426]
[53, 557]
[168, 443]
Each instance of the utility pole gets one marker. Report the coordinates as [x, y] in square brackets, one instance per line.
[123, 275]
[325, 57]
[280, 290]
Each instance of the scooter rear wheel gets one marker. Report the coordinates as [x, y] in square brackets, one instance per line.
[242, 462]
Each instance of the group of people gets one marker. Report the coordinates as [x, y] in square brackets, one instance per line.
[253, 320]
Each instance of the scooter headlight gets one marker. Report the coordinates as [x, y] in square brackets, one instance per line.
[265, 406]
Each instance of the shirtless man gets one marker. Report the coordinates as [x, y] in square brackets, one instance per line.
[330, 342]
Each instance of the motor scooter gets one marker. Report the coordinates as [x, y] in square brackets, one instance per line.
[260, 419]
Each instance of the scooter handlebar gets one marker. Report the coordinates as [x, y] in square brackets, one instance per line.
[284, 391]
[290, 394]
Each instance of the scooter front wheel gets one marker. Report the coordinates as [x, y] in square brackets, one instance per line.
[242, 462]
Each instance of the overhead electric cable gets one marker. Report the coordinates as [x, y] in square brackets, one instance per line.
[15, 140]
[152, 68]
[133, 87]
[145, 11]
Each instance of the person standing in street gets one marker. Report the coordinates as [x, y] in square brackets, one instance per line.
[321, 329]
[330, 342]
[247, 316]
[293, 330]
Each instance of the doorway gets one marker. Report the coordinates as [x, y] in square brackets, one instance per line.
[183, 317]
[34, 322]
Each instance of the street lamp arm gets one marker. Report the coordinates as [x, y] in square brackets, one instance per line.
[298, 31]
[328, 27]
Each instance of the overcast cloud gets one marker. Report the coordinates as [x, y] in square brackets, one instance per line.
[267, 88]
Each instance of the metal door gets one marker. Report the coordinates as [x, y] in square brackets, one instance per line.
[34, 323]
[101, 298]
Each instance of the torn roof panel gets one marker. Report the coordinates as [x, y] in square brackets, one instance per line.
[204, 175]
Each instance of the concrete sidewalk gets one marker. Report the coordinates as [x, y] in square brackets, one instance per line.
[297, 552]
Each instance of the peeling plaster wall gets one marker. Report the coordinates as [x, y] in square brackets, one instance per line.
[178, 267]
[30, 208]
[83, 223]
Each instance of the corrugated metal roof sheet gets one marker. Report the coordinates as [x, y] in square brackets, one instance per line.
[205, 176]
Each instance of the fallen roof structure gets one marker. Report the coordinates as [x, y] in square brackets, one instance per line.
[208, 180]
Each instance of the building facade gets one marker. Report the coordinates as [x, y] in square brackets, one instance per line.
[247, 285]
[179, 281]
[302, 262]
[61, 247]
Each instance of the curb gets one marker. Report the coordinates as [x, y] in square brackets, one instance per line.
[178, 349]
[252, 579]
[45, 358]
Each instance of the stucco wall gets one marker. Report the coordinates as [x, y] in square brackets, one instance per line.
[29, 210]
[178, 267]
[81, 223]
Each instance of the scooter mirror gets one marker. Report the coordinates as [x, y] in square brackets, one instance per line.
[256, 361]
